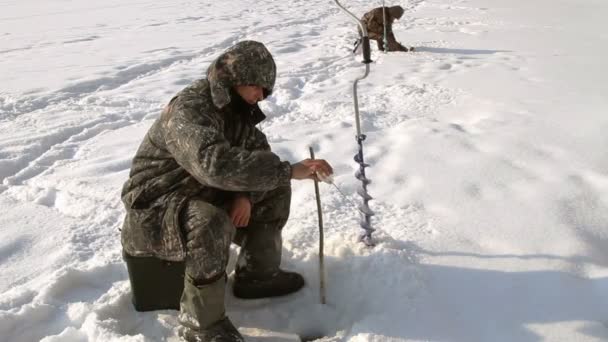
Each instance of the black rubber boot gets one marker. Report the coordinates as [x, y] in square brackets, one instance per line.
[278, 284]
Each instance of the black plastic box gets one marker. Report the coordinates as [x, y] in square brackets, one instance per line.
[156, 284]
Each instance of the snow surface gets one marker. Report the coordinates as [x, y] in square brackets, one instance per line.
[488, 148]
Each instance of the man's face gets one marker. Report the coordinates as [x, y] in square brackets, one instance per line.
[250, 93]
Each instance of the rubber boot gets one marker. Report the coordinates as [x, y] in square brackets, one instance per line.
[203, 316]
[277, 284]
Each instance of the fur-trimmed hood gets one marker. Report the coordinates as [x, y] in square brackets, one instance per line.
[246, 63]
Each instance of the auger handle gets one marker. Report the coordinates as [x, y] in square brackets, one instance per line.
[367, 51]
[367, 54]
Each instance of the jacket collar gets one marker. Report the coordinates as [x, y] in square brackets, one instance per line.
[257, 115]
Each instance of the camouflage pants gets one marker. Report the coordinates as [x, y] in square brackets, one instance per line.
[209, 232]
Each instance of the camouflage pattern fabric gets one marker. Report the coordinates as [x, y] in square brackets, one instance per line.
[261, 241]
[209, 233]
[203, 147]
[374, 23]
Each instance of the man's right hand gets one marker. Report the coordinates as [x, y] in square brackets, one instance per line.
[307, 168]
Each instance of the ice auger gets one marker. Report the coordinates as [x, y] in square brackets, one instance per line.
[366, 212]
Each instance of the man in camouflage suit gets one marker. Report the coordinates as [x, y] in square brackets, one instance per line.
[203, 177]
[374, 22]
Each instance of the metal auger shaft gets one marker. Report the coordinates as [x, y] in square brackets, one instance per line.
[366, 212]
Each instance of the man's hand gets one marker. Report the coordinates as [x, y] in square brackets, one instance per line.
[240, 211]
[307, 169]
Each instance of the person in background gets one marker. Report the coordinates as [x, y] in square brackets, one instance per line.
[374, 22]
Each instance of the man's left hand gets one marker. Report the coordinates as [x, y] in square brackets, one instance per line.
[240, 211]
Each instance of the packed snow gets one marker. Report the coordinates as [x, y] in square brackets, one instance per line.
[487, 145]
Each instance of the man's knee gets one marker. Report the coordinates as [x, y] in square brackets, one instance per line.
[208, 233]
[275, 205]
[283, 192]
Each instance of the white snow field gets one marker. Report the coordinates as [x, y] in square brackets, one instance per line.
[488, 146]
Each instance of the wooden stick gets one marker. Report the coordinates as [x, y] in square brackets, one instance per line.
[320, 214]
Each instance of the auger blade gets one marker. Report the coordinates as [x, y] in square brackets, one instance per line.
[367, 240]
[363, 193]
[358, 160]
[366, 210]
[367, 226]
[362, 178]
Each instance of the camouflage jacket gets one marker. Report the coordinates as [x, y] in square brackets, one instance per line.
[204, 144]
[374, 21]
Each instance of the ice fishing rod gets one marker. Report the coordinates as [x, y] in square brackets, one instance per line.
[366, 212]
[321, 253]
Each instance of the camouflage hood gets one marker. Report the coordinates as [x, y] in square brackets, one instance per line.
[246, 63]
[396, 12]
